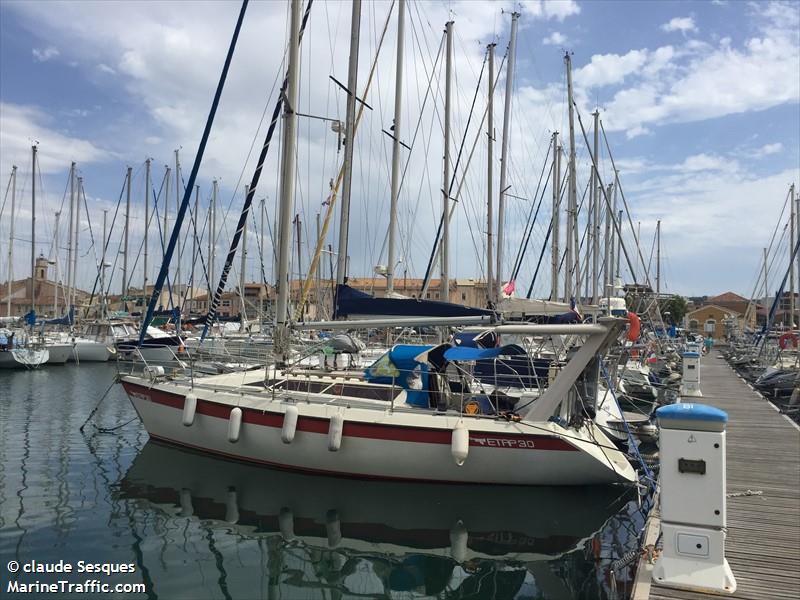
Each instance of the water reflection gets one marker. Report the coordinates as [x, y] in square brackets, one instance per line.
[248, 532]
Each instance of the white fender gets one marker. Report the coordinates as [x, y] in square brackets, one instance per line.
[234, 425]
[289, 424]
[187, 509]
[189, 408]
[333, 527]
[335, 432]
[231, 507]
[459, 536]
[459, 443]
[286, 523]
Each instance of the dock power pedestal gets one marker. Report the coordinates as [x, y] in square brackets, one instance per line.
[690, 382]
[693, 513]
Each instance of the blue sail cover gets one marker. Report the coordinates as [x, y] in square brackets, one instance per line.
[351, 302]
[67, 319]
[399, 366]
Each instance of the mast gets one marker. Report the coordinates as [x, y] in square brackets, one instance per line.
[243, 265]
[55, 287]
[164, 234]
[124, 291]
[766, 275]
[792, 238]
[195, 244]
[797, 232]
[444, 293]
[595, 210]
[146, 223]
[398, 105]
[555, 253]
[11, 237]
[490, 287]
[298, 239]
[619, 237]
[501, 205]
[572, 262]
[78, 193]
[212, 238]
[71, 214]
[281, 340]
[78, 196]
[658, 258]
[103, 270]
[352, 85]
[607, 246]
[177, 208]
[33, 224]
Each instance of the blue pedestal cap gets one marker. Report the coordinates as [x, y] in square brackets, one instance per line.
[697, 417]
[691, 355]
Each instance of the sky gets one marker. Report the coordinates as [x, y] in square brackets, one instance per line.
[699, 101]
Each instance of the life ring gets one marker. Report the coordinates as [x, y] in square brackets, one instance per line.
[783, 341]
[635, 326]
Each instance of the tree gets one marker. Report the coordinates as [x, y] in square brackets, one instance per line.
[676, 306]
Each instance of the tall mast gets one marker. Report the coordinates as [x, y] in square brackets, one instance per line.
[195, 244]
[607, 246]
[490, 287]
[78, 196]
[797, 232]
[243, 265]
[124, 291]
[618, 238]
[71, 214]
[444, 293]
[398, 105]
[11, 237]
[766, 276]
[146, 224]
[78, 192]
[352, 85]
[501, 205]
[33, 224]
[555, 252]
[103, 270]
[572, 261]
[595, 211]
[177, 208]
[164, 234]
[791, 249]
[212, 238]
[287, 180]
[658, 258]
[55, 262]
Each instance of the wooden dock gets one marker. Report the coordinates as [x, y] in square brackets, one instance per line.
[763, 454]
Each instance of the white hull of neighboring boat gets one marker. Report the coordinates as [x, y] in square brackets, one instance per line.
[23, 358]
[91, 351]
[402, 444]
[59, 353]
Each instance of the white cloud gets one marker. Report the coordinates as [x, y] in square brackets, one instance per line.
[608, 69]
[636, 132]
[45, 54]
[104, 68]
[555, 39]
[682, 24]
[24, 125]
[768, 149]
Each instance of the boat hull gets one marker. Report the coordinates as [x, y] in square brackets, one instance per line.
[379, 445]
[59, 354]
[91, 351]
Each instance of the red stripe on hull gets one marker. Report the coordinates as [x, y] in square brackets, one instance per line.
[319, 425]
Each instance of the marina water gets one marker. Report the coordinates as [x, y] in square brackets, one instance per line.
[194, 526]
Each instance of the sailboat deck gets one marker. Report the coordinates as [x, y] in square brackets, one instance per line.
[763, 454]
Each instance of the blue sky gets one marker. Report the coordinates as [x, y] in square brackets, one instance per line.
[700, 100]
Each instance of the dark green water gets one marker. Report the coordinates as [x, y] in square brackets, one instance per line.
[197, 527]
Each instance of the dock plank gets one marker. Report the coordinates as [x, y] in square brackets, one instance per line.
[763, 454]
